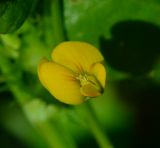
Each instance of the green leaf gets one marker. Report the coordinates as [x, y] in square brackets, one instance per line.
[127, 31]
[88, 20]
[13, 13]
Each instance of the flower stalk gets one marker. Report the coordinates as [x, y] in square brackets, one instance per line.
[57, 19]
[101, 138]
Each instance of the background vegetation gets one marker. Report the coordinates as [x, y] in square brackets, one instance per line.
[127, 33]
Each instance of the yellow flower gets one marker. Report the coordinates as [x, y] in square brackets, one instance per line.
[75, 72]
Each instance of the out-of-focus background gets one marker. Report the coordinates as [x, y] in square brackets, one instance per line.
[128, 34]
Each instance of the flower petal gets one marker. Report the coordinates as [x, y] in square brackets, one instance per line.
[99, 71]
[77, 56]
[90, 90]
[60, 82]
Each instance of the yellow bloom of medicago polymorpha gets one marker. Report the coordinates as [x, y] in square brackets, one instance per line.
[75, 73]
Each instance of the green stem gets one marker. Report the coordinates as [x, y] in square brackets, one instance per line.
[93, 124]
[57, 19]
[47, 24]
[51, 134]
[66, 132]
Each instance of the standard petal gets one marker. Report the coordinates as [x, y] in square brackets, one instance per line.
[99, 71]
[77, 56]
[60, 82]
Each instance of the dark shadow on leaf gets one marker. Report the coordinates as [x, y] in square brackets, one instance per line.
[133, 47]
[143, 95]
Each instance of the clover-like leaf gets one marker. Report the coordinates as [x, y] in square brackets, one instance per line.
[13, 13]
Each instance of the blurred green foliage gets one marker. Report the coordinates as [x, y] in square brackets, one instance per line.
[13, 13]
[128, 34]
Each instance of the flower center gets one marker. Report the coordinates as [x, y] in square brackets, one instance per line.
[83, 78]
[90, 86]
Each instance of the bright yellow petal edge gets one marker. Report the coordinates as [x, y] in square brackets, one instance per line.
[99, 71]
[82, 76]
